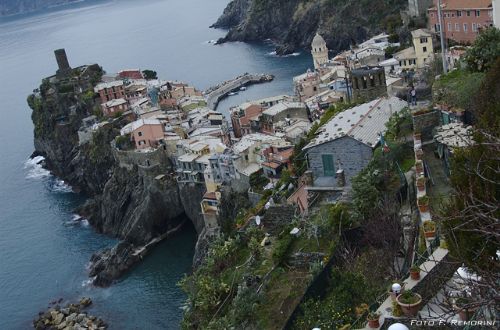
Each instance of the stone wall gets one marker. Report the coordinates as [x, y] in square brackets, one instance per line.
[278, 217]
[425, 123]
[352, 154]
[128, 159]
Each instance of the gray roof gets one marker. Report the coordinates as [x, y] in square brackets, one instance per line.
[363, 123]
[283, 106]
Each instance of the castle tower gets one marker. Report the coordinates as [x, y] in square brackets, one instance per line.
[62, 61]
[319, 51]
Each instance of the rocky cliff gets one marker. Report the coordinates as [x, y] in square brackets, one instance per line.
[292, 24]
[14, 7]
[137, 204]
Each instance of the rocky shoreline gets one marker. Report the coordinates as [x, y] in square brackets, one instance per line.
[126, 202]
[69, 317]
[110, 264]
[292, 24]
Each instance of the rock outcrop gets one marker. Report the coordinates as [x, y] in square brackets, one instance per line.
[71, 316]
[137, 204]
[292, 24]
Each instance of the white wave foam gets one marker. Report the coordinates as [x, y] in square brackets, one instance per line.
[35, 168]
[77, 220]
[61, 186]
[88, 283]
[273, 53]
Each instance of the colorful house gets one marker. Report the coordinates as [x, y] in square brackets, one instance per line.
[462, 19]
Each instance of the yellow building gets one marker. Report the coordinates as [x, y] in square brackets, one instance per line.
[424, 49]
[420, 54]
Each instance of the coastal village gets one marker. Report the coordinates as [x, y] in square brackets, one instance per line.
[280, 170]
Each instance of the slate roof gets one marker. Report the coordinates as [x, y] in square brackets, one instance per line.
[283, 106]
[363, 123]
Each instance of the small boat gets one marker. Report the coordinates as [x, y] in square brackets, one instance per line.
[232, 93]
[243, 88]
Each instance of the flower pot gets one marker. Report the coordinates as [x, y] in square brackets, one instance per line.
[419, 168]
[417, 136]
[375, 324]
[415, 275]
[430, 234]
[423, 208]
[421, 186]
[466, 313]
[410, 310]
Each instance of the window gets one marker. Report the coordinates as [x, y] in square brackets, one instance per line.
[328, 165]
[478, 13]
[457, 27]
[474, 27]
[449, 26]
[432, 14]
[437, 27]
[465, 27]
[468, 12]
[424, 49]
[140, 133]
[459, 13]
[423, 40]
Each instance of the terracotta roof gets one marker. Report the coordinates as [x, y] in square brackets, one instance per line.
[272, 165]
[210, 195]
[463, 4]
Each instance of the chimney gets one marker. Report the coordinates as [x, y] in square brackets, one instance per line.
[62, 61]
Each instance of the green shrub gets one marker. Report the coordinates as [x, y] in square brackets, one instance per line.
[282, 248]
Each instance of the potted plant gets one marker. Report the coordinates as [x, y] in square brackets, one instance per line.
[423, 204]
[415, 272]
[419, 166]
[417, 136]
[410, 303]
[419, 153]
[429, 227]
[373, 320]
[396, 309]
[465, 308]
[395, 289]
[420, 182]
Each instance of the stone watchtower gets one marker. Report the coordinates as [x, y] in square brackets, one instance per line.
[368, 83]
[319, 51]
[62, 61]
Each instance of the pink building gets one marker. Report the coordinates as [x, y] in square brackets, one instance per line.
[114, 106]
[462, 19]
[110, 90]
[146, 133]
